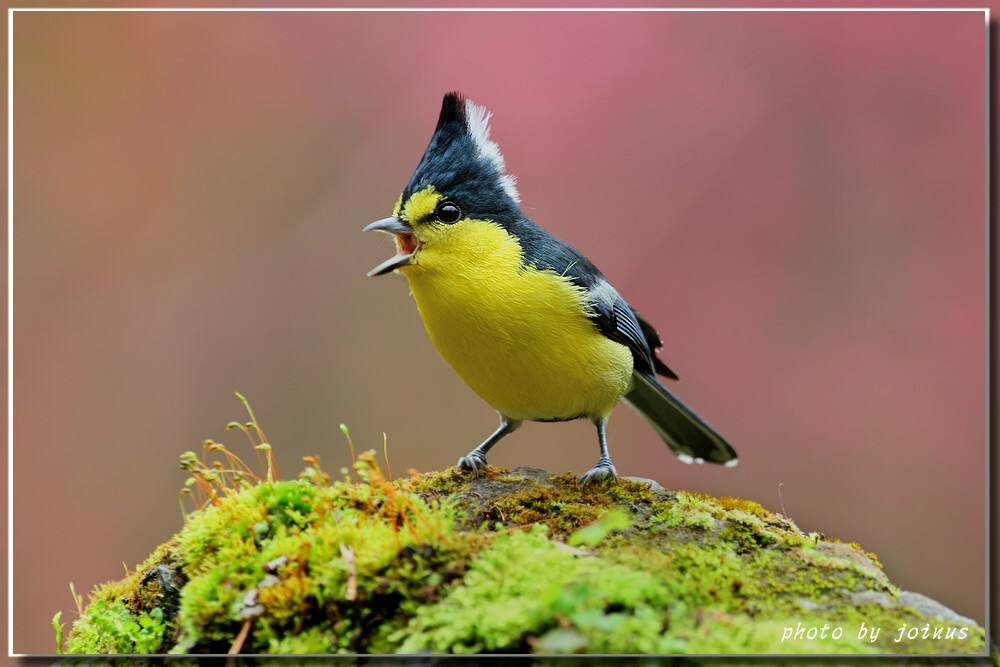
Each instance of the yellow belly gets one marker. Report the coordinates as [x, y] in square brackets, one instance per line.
[520, 338]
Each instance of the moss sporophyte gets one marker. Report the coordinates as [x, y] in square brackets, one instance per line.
[515, 561]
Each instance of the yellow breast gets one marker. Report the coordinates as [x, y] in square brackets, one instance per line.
[520, 338]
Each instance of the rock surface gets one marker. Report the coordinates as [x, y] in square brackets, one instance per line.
[518, 561]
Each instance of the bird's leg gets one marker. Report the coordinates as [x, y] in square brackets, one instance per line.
[475, 461]
[604, 468]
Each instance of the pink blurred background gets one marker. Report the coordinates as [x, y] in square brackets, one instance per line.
[795, 200]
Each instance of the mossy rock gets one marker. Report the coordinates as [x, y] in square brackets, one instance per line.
[517, 561]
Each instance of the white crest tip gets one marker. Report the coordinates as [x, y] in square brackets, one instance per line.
[477, 121]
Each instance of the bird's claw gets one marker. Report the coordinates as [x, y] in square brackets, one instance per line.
[604, 470]
[474, 462]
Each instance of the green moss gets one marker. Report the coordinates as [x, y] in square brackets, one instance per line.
[524, 586]
[109, 627]
[563, 504]
[723, 634]
[546, 505]
[748, 506]
[684, 510]
[59, 629]
[594, 533]
[446, 483]
[318, 639]
[288, 552]
[517, 561]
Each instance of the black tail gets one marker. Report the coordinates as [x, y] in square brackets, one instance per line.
[685, 433]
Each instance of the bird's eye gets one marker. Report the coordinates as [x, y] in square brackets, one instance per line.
[448, 212]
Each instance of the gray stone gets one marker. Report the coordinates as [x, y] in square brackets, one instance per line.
[929, 607]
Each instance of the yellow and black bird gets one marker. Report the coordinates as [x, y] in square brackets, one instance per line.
[526, 320]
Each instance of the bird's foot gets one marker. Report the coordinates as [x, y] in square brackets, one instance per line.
[474, 462]
[604, 470]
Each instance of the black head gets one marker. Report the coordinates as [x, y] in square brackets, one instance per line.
[460, 178]
[464, 165]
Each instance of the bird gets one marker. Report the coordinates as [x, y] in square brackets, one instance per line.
[526, 320]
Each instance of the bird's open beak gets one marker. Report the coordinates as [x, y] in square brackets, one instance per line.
[406, 244]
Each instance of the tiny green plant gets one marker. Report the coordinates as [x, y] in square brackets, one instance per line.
[350, 443]
[112, 627]
[59, 629]
[225, 474]
[77, 598]
[594, 533]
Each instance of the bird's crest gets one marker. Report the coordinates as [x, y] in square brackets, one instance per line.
[461, 158]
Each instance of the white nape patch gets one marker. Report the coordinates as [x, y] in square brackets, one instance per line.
[731, 463]
[685, 458]
[602, 292]
[477, 120]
